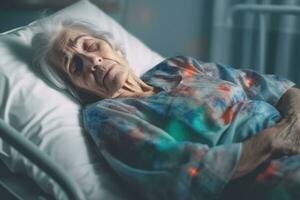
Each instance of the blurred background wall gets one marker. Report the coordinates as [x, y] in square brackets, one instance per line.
[199, 28]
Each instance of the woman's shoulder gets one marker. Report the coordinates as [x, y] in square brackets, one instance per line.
[177, 65]
[168, 64]
[180, 60]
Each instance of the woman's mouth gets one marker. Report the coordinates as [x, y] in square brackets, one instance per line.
[107, 75]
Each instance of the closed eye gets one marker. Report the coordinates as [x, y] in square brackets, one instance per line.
[93, 47]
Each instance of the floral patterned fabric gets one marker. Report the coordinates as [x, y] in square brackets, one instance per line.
[184, 142]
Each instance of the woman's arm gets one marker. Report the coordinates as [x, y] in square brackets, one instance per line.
[255, 151]
[282, 139]
[289, 103]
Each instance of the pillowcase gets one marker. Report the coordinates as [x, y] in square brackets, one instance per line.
[51, 119]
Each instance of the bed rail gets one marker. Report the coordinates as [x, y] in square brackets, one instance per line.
[28, 149]
[262, 11]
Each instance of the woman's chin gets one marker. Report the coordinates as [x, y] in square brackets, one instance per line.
[116, 84]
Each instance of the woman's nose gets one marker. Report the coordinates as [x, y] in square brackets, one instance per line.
[94, 61]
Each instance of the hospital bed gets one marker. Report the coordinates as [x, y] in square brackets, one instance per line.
[21, 187]
[16, 185]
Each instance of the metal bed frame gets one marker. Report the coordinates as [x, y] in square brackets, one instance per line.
[263, 11]
[40, 159]
[71, 189]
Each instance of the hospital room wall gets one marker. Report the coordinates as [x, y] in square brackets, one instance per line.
[171, 27]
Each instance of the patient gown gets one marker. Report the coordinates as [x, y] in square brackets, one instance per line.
[185, 141]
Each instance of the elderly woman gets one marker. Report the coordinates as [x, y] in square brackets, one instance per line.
[185, 128]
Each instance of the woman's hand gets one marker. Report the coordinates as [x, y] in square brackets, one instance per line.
[282, 139]
[286, 140]
[289, 103]
[289, 107]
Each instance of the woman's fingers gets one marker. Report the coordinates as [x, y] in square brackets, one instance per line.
[294, 150]
[285, 137]
[285, 148]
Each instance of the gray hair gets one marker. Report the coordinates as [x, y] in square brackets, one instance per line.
[43, 41]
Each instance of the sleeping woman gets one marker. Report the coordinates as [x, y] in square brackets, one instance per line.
[183, 130]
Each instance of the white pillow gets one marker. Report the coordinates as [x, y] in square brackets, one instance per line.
[51, 119]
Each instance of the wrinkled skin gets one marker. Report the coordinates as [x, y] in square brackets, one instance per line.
[282, 139]
[93, 65]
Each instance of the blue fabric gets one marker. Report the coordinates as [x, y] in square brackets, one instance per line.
[185, 141]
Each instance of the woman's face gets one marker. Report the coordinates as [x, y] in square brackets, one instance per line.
[91, 63]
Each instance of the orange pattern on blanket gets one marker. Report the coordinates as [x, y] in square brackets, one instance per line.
[249, 82]
[228, 115]
[223, 88]
[189, 71]
[192, 171]
[271, 169]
